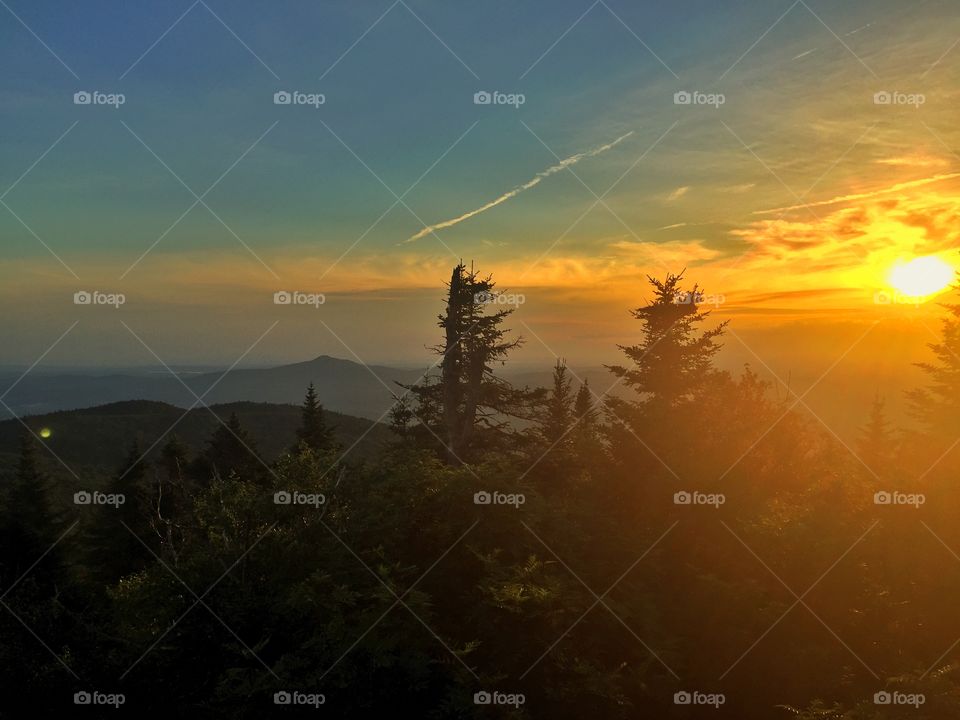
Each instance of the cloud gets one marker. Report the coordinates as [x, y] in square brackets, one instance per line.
[737, 189]
[678, 193]
[909, 185]
[917, 161]
[678, 253]
[536, 180]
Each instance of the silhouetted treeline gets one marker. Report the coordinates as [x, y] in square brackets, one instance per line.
[704, 547]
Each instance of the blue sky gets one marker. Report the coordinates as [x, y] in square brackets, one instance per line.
[306, 188]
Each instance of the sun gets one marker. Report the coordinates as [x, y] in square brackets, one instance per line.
[922, 277]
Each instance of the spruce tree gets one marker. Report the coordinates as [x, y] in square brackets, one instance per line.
[465, 410]
[875, 446]
[230, 450]
[586, 418]
[936, 405]
[119, 531]
[29, 528]
[558, 417]
[313, 430]
[673, 361]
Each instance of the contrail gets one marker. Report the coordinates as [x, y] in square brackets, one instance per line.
[536, 180]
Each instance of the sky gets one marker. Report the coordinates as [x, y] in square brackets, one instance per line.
[784, 188]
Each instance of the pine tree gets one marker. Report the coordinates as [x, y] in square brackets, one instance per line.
[586, 416]
[673, 377]
[231, 450]
[28, 525]
[313, 429]
[119, 531]
[876, 443]
[673, 362]
[936, 405]
[464, 410]
[558, 418]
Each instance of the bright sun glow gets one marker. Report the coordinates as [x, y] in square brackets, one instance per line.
[922, 277]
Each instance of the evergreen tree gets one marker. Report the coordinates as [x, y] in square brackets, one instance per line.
[673, 362]
[936, 405]
[230, 450]
[313, 429]
[29, 528]
[558, 415]
[876, 443]
[672, 374]
[120, 530]
[586, 418]
[171, 497]
[466, 408]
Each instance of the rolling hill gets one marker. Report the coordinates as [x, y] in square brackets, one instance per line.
[97, 439]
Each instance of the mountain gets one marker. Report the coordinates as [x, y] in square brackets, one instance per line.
[342, 386]
[97, 439]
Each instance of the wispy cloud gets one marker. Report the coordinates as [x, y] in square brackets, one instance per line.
[909, 185]
[536, 180]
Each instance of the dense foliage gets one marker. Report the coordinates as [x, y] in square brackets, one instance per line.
[591, 557]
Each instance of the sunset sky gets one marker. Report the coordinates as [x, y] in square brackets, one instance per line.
[793, 200]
